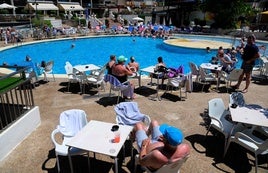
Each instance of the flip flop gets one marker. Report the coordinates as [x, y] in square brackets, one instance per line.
[245, 91]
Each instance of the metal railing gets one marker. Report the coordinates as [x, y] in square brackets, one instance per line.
[16, 96]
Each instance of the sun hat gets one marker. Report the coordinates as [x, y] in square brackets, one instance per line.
[173, 135]
[121, 58]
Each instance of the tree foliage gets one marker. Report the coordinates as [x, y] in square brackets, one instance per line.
[228, 12]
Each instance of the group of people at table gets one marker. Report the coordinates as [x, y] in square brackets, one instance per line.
[249, 53]
[166, 142]
[122, 71]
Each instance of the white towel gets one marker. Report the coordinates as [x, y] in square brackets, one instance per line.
[72, 121]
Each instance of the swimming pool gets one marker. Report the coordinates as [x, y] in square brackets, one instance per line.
[97, 50]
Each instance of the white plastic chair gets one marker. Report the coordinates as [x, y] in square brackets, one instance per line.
[173, 167]
[97, 80]
[116, 85]
[48, 69]
[61, 149]
[232, 77]
[72, 78]
[251, 142]
[194, 70]
[217, 113]
[264, 67]
[96, 73]
[206, 78]
[177, 82]
[136, 75]
[71, 121]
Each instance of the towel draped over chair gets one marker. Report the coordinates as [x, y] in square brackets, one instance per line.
[117, 85]
[128, 113]
[72, 121]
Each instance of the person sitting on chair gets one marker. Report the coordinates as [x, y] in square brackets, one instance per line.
[161, 68]
[226, 62]
[110, 64]
[120, 71]
[132, 65]
[166, 145]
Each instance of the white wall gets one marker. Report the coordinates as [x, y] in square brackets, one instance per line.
[17, 132]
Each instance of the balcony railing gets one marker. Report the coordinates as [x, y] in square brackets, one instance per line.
[16, 96]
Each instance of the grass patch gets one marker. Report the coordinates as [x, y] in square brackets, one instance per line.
[8, 83]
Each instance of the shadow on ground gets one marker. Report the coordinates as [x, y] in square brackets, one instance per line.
[75, 89]
[110, 101]
[145, 91]
[99, 164]
[172, 96]
[212, 146]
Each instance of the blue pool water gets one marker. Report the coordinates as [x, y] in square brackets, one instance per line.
[97, 50]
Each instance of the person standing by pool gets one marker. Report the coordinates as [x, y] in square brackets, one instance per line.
[121, 72]
[110, 64]
[251, 53]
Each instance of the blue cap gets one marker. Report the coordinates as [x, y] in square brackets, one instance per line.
[173, 135]
[121, 58]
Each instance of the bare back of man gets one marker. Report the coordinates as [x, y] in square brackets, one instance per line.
[156, 152]
[121, 70]
[158, 155]
[133, 66]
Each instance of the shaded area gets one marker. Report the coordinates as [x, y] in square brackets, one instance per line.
[145, 91]
[99, 164]
[110, 101]
[212, 146]
[260, 79]
[75, 88]
[197, 87]
[172, 96]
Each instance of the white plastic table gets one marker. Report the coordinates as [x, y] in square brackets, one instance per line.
[86, 67]
[97, 137]
[215, 67]
[250, 114]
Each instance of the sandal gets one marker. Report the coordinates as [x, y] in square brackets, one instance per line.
[245, 90]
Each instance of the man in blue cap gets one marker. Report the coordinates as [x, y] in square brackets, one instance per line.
[165, 145]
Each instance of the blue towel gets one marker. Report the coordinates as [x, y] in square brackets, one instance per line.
[125, 87]
[113, 80]
[128, 113]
